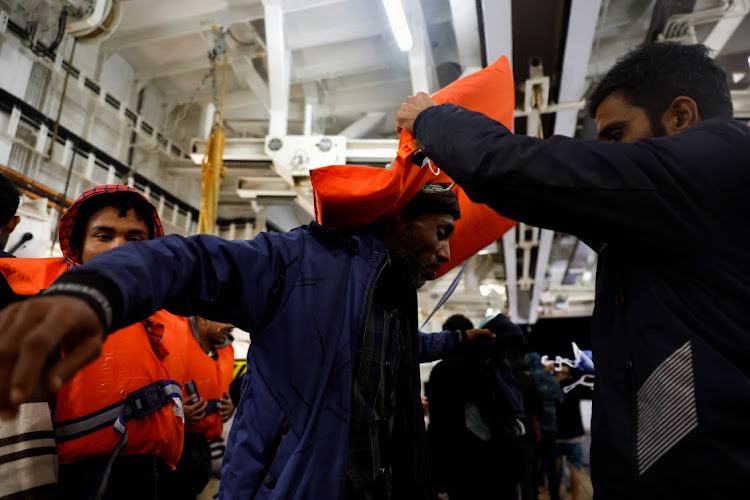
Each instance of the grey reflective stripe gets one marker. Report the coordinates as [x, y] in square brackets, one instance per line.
[98, 421]
[88, 424]
[666, 407]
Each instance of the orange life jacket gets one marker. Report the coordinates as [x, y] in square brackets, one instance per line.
[212, 378]
[225, 363]
[29, 276]
[350, 196]
[127, 364]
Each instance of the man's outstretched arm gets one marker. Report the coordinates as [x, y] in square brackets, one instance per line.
[652, 192]
[238, 282]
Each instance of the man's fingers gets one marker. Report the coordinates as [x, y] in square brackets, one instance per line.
[475, 332]
[34, 348]
[84, 352]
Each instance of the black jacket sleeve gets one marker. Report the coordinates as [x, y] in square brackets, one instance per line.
[655, 192]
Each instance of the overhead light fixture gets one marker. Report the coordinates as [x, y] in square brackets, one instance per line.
[484, 290]
[399, 26]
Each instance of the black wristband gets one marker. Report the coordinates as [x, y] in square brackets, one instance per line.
[93, 298]
[99, 292]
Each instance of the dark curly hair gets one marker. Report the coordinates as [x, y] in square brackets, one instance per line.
[654, 74]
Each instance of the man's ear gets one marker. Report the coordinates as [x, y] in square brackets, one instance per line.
[392, 228]
[11, 225]
[680, 116]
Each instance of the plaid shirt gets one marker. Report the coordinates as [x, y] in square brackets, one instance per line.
[369, 460]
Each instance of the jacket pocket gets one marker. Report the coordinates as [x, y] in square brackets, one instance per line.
[666, 407]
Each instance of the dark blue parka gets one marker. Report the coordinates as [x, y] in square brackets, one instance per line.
[671, 325]
[304, 297]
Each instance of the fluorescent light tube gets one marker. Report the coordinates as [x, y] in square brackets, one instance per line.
[399, 26]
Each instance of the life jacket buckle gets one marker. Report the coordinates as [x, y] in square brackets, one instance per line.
[148, 400]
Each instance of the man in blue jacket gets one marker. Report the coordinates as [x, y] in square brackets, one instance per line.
[664, 200]
[331, 406]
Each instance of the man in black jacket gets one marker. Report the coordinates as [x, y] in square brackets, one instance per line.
[664, 200]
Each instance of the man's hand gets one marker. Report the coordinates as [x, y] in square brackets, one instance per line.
[408, 111]
[194, 410]
[476, 332]
[226, 407]
[30, 331]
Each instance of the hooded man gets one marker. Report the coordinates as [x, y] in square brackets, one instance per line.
[120, 418]
[331, 406]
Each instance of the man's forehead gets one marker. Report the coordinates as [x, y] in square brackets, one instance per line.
[110, 217]
[615, 108]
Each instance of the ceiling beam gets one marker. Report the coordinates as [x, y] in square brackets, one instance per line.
[466, 27]
[248, 75]
[371, 57]
[334, 34]
[290, 6]
[583, 18]
[497, 28]
[180, 27]
[724, 29]
[173, 68]
[421, 60]
[364, 125]
[279, 68]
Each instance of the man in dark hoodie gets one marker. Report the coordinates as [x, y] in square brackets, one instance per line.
[662, 197]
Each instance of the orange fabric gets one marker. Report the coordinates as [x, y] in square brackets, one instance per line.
[225, 365]
[212, 379]
[29, 276]
[351, 196]
[126, 364]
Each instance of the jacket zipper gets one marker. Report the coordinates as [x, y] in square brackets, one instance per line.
[369, 296]
[630, 387]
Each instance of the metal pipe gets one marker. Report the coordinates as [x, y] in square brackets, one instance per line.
[56, 127]
[60, 30]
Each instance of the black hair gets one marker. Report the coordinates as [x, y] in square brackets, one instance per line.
[433, 202]
[458, 322]
[654, 74]
[9, 199]
[124, 201]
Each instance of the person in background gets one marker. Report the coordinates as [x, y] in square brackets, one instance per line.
[532, 409]
[207, 406]
[552, 398]
[9, 199]
[570, 431]
[28, 457]
[475, 406]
